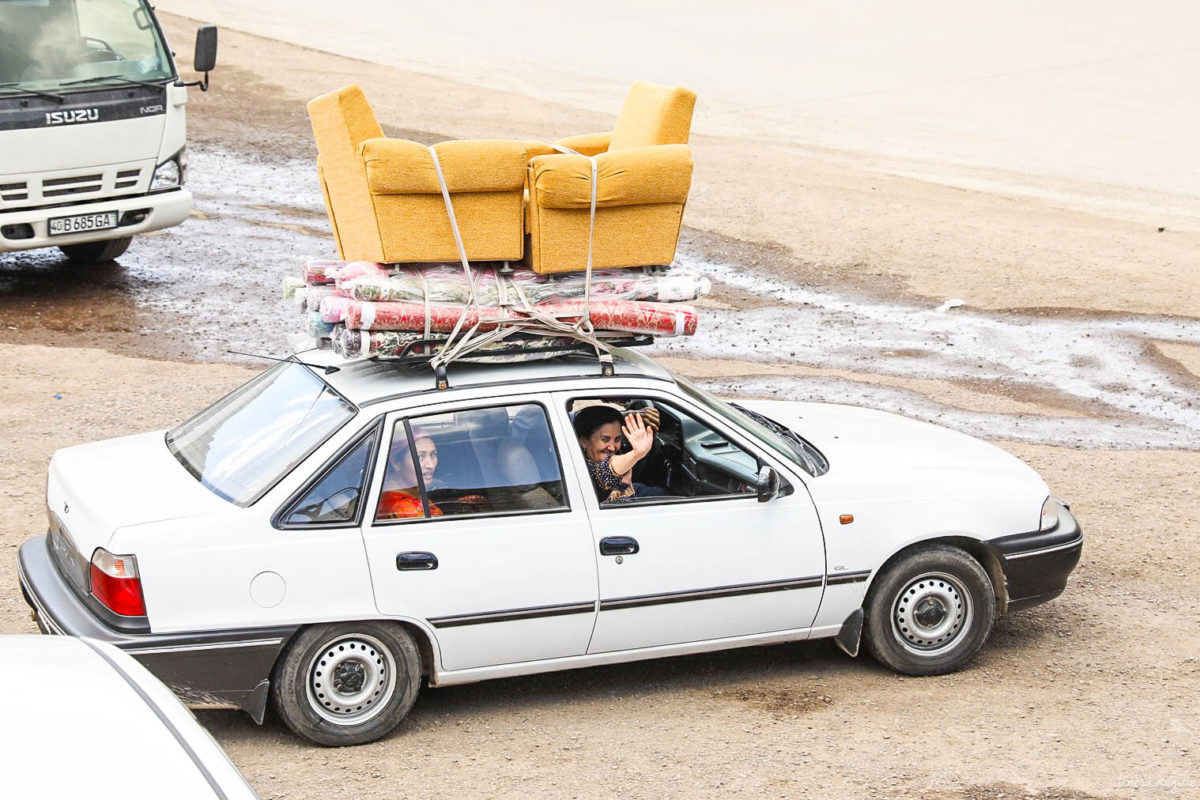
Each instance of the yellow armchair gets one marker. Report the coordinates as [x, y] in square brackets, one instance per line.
[640, 195]
[385, 202]
[644, 171]
[652, 114]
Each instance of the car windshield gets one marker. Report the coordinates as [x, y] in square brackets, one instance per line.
[71, 45]
[779, 438]
[240, 446]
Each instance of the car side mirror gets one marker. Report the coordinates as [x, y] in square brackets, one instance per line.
[206, 52]
[768, 484]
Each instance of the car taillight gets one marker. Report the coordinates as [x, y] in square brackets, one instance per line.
[116, 584]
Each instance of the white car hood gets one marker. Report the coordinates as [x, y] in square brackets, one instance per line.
[95, 489]
[891, 455]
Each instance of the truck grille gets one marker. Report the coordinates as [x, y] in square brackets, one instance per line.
[12, 192]
[80, 184]
[115, 180]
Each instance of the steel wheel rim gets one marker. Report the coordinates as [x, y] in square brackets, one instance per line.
[351, 679]
[931, 613]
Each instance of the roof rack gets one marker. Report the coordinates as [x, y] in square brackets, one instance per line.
[422, 350]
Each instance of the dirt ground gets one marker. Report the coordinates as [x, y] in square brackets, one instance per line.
[1091, 696]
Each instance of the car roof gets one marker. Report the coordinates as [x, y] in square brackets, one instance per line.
[99, 723]
[366, 381]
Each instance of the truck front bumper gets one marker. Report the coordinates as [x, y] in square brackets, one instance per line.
[162, 210]
[209, 669]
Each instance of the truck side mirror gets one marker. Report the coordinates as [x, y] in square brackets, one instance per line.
[768, 484]
[206, 52]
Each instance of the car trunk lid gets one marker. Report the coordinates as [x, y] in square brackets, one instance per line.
[95, 489]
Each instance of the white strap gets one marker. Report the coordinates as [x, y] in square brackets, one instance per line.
[538, 321]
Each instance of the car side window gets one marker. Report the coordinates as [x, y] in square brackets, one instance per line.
[492, 460]
[686, 459]
[336, 496]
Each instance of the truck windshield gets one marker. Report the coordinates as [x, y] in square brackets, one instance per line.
[79, 45]
[241, 446]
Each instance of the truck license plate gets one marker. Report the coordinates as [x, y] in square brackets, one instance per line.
[83, 223]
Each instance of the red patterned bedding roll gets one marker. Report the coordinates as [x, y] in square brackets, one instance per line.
[624, 316]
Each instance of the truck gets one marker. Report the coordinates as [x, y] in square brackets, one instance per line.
[93, 144]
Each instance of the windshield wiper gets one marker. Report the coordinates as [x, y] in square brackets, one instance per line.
[16, 85]
[120, 78]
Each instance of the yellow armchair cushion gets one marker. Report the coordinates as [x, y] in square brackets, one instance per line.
[397, 166]
[654, 114]
[639, 176]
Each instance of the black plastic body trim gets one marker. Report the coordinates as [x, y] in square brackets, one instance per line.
[713, 593]
[206, 668]
[513, 615]
[1037, 564]
[847, 577]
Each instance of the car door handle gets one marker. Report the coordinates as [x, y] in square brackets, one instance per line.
[416, 561]
[618, 546]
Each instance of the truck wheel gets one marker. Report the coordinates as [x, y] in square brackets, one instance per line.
[930, 612]
[347, 683]
[94, 252]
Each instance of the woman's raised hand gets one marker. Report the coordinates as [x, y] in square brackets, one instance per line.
[639, 436]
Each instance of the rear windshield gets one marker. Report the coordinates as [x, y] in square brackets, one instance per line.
[241, 446]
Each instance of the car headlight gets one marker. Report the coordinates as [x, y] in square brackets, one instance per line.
[171, 173]
[1049, 515]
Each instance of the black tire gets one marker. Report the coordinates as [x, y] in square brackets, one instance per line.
[347, 683]
[930, 612]
[95, 252]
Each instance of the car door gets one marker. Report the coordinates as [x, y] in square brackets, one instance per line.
[488, 548]
[674, 570]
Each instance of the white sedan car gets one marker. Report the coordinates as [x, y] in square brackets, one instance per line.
[328, 535]
[85, 720]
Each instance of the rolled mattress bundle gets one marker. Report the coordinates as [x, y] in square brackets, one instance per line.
[354, 303]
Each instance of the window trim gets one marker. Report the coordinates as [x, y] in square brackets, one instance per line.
[374, 429]
[408, 415]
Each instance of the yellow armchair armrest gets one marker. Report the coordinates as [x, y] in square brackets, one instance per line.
[587, 144]
[398, 166]
[637, 176]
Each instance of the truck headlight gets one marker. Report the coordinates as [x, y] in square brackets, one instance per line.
[1049, 515]
[171, 173]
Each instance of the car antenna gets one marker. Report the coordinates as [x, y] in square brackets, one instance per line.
[329, 369]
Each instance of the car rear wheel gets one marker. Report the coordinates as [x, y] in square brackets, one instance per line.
[930, 612]
[347, 683]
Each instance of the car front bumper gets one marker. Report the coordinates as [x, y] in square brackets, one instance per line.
[1037, 564]
[210, 669]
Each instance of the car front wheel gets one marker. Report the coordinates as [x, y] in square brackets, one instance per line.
[930, 612]
[347, 683]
